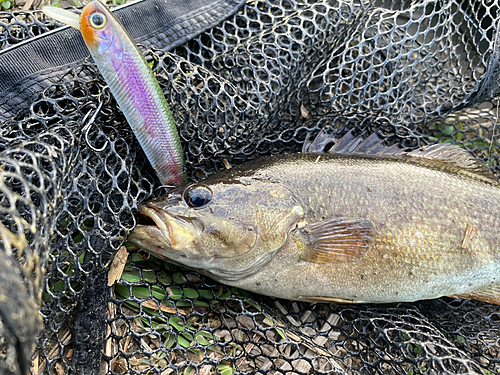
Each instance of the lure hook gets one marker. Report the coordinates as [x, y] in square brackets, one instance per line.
[86, 128]
[163, 189]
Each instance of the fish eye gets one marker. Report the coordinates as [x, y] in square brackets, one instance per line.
[97, 20]
[197, 196]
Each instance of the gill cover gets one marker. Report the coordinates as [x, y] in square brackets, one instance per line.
[234, 234]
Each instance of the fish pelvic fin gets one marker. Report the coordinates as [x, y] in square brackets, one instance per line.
[322, 299]
[441, 156]
[337, 240]
[489, 294]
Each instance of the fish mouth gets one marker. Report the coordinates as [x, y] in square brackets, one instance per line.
[178, 232]
[150, 216]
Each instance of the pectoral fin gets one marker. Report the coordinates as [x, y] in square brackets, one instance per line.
[337, 240]
[490, 294]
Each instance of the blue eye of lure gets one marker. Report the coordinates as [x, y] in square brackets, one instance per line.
[197, 196]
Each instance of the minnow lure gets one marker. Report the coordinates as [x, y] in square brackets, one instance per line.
[133, 85]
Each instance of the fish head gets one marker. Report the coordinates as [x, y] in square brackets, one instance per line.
[97, 24]
[225, 230]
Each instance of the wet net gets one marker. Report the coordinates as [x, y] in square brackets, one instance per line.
[256, 80]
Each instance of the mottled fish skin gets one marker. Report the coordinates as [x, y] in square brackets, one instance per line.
[135, 89]
[433, 232]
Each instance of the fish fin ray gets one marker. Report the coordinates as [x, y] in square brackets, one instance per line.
[454, 156]
[323, 299]
[490, 294]
[371, 145]
[328, 143]
[439, 155]
[337, 240]
[320, 144]
[393, 150]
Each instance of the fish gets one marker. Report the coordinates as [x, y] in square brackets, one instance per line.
[361, 223]
[133, 85]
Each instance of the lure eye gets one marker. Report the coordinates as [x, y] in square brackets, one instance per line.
[197, 196]
[97, 20]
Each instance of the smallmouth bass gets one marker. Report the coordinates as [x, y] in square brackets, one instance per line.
[362, 223]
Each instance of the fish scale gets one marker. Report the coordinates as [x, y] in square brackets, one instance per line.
[359, 228]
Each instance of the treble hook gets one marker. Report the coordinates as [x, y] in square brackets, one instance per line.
[165, 188]
[86, 128]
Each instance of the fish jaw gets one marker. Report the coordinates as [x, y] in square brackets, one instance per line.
[170, 231]
[63, 15]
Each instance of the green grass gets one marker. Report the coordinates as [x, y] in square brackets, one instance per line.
[168, 300]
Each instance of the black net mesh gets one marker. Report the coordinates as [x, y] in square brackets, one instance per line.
[258, 83]
[17, 27]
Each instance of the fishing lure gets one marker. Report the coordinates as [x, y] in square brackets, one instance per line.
[133, 85]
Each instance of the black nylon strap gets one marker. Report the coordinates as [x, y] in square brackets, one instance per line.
[26, 68]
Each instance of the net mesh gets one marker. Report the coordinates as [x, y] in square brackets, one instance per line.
[258, 83]
[18, 26]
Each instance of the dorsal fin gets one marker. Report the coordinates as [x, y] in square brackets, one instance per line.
[454, 157]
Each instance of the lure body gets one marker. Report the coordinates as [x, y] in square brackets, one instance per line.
[133, 85]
